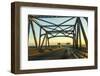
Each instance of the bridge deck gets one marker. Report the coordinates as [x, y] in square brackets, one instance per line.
[57, 53]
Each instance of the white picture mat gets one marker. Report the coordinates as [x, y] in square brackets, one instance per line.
[25, 64]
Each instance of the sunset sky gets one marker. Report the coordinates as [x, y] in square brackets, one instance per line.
[54, 41]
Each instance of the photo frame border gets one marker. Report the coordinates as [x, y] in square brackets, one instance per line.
[15, 36]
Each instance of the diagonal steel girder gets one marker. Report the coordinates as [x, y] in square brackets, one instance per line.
[56, 24]
[40, 26]
[33, 33]
[84, 34]
[63, 22]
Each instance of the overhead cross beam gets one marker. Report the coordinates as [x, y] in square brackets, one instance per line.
[62, 23]
[50, 23]
[47, 16]
[54, 23]
[64, 30]
[61, 36]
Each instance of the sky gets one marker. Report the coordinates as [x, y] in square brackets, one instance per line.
[55, 40]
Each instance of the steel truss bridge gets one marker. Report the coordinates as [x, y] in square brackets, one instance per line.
[74, 31]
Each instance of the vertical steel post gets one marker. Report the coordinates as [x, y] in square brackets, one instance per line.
[74, 36]
[48, 42]
[79, 36]
[40, 37]
[28, 28]
[34, 34]
[43, 41]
